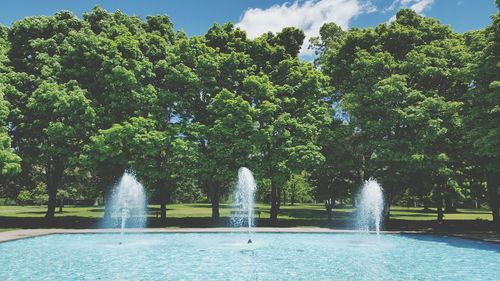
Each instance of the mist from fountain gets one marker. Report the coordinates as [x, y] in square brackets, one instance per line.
[370, 207]
[243, 200]
[127, 204]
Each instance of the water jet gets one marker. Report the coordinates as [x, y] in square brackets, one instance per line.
[370, 207]
[243, 200]
[127, 204]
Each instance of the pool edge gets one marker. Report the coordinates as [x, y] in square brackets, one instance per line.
[30, 233]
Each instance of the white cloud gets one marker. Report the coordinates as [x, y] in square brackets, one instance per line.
[419, 6]
[308, 15]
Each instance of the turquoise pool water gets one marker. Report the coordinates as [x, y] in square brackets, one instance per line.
[226, 256]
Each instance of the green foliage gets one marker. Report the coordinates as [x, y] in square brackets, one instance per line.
[405, 87]
[232, 135]
[484, 103]
[409, 102]
[37, 196]
[59, 119]
[298, 189]
[483, 110]
[159, 158]
[9, 161]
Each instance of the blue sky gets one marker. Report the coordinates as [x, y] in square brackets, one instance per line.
[258, 16]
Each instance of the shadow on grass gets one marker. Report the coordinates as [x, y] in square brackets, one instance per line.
[472, 212]
[413, 215]
[302, 217]
[313, 214]
[303, 213]
[65, 211]
[447, 226]
[33, 212]
[408, 210]
[206, 222]
[42, 222]
[433, 211]
[186, 222]
[96, 210]
[207, 205]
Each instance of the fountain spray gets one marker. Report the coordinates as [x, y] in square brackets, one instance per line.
[128, 204]
[244, 201]
[370, 206]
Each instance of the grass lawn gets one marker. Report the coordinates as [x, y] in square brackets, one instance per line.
[7, 229]
[402, 213]
[198, 215]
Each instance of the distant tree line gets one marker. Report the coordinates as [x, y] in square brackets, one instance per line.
[410, 103]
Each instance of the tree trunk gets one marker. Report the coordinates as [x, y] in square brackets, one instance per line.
[387, 206]
[284, 197]
[61, 205]
[163, 212]
[439, 203]
[274, 202]
[329, 207]
[330, 202]
[425, 202]
[164, 197]
[279, 197]
[214, 197]
[448, 204]
[54, 176]
[493, 184]
[107, 204]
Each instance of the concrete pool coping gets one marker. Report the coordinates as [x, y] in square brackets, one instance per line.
[29, 233]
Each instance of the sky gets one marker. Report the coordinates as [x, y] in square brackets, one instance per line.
[259, 16]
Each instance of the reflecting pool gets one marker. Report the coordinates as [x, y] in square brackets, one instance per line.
[227, 256]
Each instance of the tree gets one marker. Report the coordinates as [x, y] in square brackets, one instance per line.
[298, 188]
[389, 77]
[158, 158]
[9, 161]
[130, 66]
[17, 88]
[224, 64]
[483, 115]
[117, 59]
[432, 119]
[162, 159]
[207, 76]
[4, 47]
[409, 102]
[291, 39]
[440, 70]
[329, 33]
[58, 122]
[230, 140]
[289, 114]
[338, 176]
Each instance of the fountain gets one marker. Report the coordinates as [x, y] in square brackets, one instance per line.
[244, 200]
[370, 206]
[127, 204]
